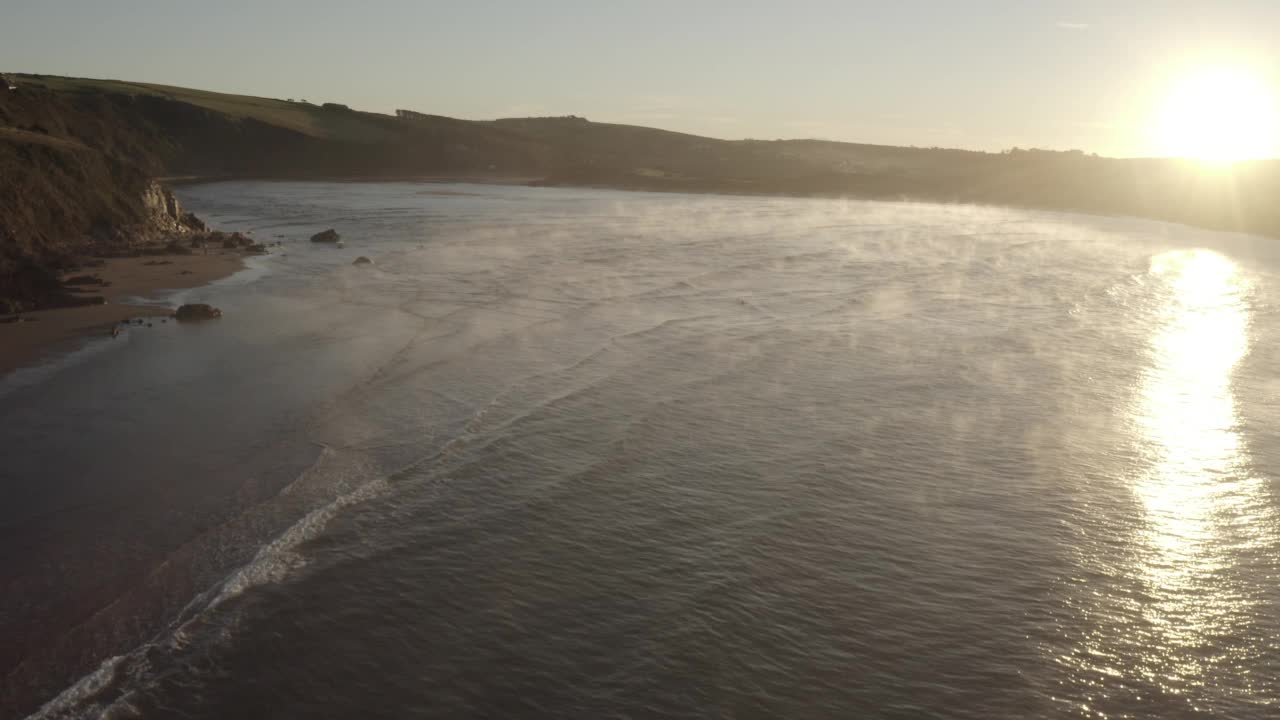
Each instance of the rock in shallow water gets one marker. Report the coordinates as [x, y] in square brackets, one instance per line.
[328, 236]
[197, 311]
[362, 260]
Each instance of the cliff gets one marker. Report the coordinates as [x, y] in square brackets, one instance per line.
[75, 180]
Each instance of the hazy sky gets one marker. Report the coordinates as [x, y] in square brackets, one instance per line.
[984, 75]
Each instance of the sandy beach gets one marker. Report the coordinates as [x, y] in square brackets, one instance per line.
[45, 332]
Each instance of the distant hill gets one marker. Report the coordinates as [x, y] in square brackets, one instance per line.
[75, 155]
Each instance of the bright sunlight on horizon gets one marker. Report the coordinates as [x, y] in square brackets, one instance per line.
[986, 76]
[1216, 115]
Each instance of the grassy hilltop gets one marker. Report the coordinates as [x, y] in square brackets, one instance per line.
[217, 133]
[75, 154]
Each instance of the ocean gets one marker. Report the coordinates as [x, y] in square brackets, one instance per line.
[590, 454]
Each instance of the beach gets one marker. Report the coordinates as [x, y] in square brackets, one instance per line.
[43, 333]
[582, 453]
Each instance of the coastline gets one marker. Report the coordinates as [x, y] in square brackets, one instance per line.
[515, 180]
[638, 184]
[44, 334]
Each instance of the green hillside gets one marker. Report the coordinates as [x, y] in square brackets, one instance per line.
[306, 118]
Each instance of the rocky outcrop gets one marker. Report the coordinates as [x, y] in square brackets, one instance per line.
[195, 312]
[232, 241]
[75, 182]
[327, 236]
[165, 214]
[362, 260]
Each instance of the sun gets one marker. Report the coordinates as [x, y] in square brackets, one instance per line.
[1218, 115]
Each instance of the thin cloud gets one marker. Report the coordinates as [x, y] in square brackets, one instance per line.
[1064, 25]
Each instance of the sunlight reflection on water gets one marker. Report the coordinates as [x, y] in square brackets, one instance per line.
[1198, 496]
[1174, 608]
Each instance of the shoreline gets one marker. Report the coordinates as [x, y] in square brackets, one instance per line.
[514, 180]
[734, 189]
[45, 334]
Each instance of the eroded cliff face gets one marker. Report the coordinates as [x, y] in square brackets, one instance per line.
[75, 181]
[164, 214]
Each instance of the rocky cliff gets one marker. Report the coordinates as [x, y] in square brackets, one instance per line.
[164, 214]
[75, 180]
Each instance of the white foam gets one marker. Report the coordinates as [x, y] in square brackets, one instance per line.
[67, 703]
[273, 563]
[278, 559]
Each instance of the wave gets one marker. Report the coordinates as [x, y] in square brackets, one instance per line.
[106, 689]
[74, 702]
[278, 559]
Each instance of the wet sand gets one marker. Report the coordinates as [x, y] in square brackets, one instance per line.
[47, 332]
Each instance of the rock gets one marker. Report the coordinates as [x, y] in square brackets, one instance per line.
[163, 210]
[236, 240]
[85, 280]
[258, 249]
[362, 260]
[197, 311]
[328, 236]
[193, 223]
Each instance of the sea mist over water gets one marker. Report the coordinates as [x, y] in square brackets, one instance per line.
[586, 453]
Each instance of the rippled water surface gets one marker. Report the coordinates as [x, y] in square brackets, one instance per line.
[568, 453]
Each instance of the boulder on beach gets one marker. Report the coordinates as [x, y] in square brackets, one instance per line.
[85, 280]
[197, 311]
[362, 260]
[328, 236]
[236, 240]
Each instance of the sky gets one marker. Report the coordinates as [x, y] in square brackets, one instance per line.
[979, 74]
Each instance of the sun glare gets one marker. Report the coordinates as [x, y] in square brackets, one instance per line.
[1218, 115]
